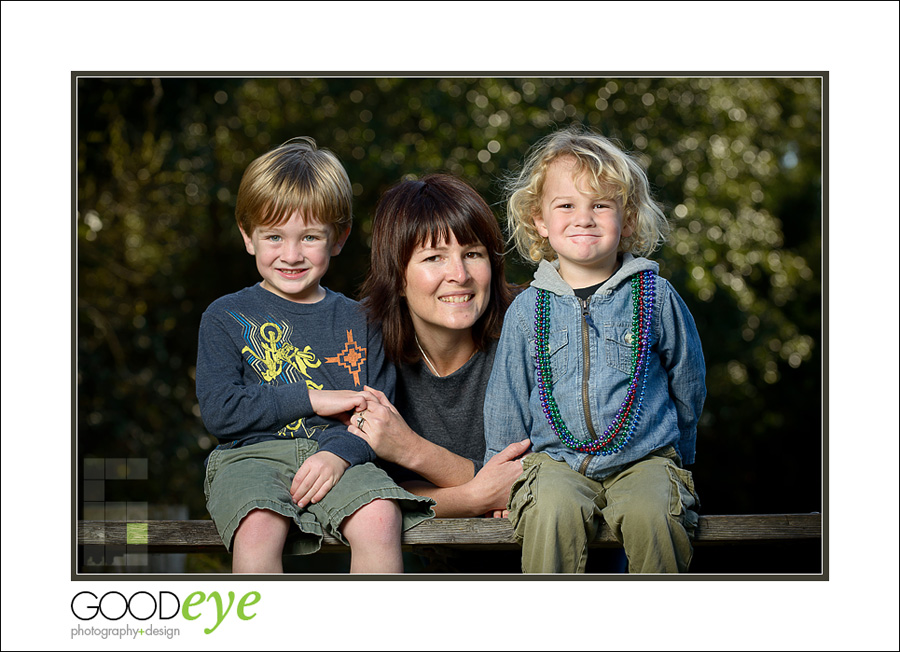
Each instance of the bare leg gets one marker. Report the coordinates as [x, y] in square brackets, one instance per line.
[259, 542]
[373, 532]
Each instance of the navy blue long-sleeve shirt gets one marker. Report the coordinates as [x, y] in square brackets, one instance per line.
[259, 355]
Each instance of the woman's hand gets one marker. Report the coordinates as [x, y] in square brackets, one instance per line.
[383, 428]
[493, 482]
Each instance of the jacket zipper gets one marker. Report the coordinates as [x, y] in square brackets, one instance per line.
[585, 394]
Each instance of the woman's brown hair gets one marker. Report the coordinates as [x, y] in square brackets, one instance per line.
[425, 212]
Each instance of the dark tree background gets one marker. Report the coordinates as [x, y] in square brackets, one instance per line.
[736, 161]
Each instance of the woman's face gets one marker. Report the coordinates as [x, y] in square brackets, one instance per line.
[447, 285]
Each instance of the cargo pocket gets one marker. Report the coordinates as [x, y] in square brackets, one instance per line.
[522, 493]
[685, 504]
[212, 463]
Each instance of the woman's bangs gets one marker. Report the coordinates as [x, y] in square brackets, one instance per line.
[437, 229]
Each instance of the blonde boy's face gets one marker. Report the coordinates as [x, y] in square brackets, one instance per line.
[293, 257]
[583, 227]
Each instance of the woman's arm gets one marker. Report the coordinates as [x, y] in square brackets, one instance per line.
[394, 441]
[487, 492]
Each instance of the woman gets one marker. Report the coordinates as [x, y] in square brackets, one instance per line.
[437, 288]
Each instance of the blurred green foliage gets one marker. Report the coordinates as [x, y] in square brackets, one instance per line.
[736, 161]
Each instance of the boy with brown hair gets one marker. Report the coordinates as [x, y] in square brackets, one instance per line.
[280, 369]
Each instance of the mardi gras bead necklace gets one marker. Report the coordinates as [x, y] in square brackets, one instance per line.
[621, 430]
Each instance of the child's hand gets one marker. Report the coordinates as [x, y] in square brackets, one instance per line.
[316, 476]
[338, 403]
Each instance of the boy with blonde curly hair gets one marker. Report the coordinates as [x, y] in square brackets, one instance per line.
[600, 364]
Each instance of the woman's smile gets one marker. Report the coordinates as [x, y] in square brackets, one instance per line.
[448, 285]
[457, 298]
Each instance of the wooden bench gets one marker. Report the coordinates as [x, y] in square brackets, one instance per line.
[448, 533]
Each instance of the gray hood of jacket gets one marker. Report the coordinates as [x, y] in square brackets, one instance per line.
[547, 277]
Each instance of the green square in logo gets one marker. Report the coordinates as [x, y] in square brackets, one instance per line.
[136, 534]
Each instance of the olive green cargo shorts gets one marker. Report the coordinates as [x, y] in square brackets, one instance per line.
[259, 476]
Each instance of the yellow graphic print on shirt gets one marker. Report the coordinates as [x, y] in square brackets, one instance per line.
[274, 358]
[274, 355]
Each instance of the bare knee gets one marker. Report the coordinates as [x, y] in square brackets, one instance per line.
[261, 525]
[259, 542]
[376, 522]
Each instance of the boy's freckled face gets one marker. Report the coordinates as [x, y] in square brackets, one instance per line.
[293, 257]
[583, 228]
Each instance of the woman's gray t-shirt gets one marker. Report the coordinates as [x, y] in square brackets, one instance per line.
[447, 411]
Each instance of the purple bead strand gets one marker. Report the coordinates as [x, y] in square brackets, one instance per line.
[621, 431]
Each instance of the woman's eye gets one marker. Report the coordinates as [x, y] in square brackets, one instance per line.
[474, 254]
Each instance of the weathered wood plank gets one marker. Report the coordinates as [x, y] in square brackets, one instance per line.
[759, 527]
[473, 533]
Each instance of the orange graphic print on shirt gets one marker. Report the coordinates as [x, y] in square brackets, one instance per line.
[351, 357]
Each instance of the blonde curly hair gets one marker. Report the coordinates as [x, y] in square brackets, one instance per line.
[605, 167]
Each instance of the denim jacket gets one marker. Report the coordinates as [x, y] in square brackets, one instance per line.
[590, 359]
